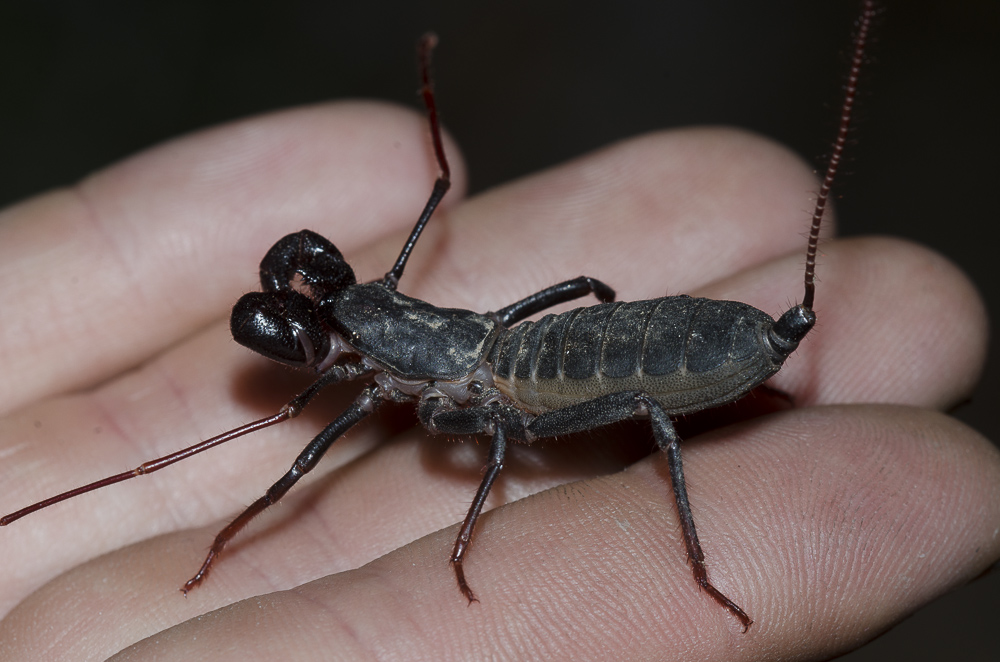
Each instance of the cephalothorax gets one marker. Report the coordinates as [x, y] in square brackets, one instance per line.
[495, 373]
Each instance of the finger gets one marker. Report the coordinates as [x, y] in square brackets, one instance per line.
[337, 523]
[97, 277]
[659, 214]
[836, 539]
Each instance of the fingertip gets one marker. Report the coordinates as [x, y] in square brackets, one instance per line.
[897, 323]
[352, 169]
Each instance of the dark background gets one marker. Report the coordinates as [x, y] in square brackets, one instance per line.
[525, 85]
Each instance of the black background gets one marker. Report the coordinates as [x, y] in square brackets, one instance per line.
[525, 85]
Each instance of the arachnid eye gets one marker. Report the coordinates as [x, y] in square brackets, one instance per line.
[282, 326]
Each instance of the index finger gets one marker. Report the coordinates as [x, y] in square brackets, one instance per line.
[95, 278]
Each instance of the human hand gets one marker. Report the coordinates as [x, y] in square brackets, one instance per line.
[827, 522]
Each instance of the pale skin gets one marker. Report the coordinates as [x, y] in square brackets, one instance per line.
[827, 522]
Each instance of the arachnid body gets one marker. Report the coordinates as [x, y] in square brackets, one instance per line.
[497, 373]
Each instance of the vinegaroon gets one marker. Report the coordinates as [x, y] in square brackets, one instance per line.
[496, 373]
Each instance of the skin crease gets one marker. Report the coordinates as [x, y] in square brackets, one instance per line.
[827, 522]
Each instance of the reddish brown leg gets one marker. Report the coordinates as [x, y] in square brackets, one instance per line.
[668, 441]
[497, 450]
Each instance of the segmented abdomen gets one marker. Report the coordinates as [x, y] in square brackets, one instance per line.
[689, 354]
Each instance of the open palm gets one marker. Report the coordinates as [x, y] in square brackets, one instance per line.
[827, 522]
